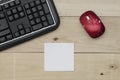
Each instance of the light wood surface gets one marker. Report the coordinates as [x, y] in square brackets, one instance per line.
[99, 66]
[95, 59]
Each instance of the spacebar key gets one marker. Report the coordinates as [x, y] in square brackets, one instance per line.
[5, 32]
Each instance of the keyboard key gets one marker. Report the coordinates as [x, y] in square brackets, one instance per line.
[27, 6]
[37, 27]
[9, 37]
[50, 20]
[17, 34]
[32, 22]
[11, 18]
[2, 39]
[16, 16]
[19, 9]
[34, 9]
[29, 11]
[1, 8]
[39, 7]
[41, 13]
[46, 9]
[22, 14]
[43, 18]
[45, 24]
[37, 2]
[3, 27]
[14, 11]
[36, 15]
[5, 32]
[12, 3]
[38, 20]
[27, 30]
[22, 32]
[43, 1]
[6, 6]
[9, 13]
[3, 24]
[30, 17]
[2, 15]
[17, 2]
[32, 4]
[20, 26]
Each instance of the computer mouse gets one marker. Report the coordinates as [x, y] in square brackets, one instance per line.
[92, 24]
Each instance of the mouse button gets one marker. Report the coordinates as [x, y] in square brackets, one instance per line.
[97, 21]
[88, 18]
[94, 18]
[83, 19]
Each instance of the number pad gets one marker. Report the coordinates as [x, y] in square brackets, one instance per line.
[15, 14]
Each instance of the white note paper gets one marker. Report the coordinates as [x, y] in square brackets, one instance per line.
[59, 57]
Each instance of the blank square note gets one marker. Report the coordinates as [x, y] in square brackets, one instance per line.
[59, 57]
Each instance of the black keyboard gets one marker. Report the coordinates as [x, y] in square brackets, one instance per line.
[22, 20]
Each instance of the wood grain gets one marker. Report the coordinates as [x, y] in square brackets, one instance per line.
[6, 66]
[95, 59]
[92, 66]
[70, 30]
[77, 7]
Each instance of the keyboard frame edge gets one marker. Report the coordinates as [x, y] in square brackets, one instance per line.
[37, 33]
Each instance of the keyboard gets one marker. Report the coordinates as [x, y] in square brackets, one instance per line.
[22, 20]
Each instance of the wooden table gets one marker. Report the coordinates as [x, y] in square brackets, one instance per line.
[95, 59]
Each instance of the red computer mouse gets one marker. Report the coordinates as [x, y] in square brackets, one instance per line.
[92, 24]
